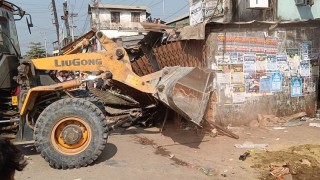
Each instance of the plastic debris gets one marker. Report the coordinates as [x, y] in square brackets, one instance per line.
[251, 145]
[207, 171]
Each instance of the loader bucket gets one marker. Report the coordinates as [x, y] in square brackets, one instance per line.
[186, 90]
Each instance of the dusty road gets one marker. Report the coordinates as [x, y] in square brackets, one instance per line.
[177, 154]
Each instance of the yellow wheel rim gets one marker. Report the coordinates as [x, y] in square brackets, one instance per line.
[71, 135]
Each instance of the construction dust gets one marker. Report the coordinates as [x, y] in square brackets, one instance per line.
[159, 150]
[302, 162]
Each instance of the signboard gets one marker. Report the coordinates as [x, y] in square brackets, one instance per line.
[196, 13]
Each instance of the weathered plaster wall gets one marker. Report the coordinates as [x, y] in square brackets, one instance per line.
[240, 95]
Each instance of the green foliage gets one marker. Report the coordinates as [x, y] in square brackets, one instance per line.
[36, 50]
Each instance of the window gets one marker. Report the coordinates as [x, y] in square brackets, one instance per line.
[115, 17]
[135, 17]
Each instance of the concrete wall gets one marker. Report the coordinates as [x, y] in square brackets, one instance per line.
[240, 95]
[288, 10]
[125, 19]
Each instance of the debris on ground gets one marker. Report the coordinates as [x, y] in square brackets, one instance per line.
[279, 169]
[208, 171]
[314, 124]
[244, 156]
[274, 121]
[310, 119]
[250, 145]
[306, 162]
[297, 162]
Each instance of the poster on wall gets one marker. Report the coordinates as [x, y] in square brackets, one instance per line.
[305, 68]
[294, 63]
[261, 63]
[249, 63]
[282, 63]
[237, 76]
[223, 59]
[252, 82]
[224, 68]
[271, 63]
[276, 82]
[223, 78]
[309, 85]
[306, 50]
[296, 87]
[225, 94]
[265, 84]
[196, 13]
[238, 94]
[314, 68]
[236, 58]
[291, 52]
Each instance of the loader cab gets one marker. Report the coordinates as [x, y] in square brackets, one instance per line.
[8, 32]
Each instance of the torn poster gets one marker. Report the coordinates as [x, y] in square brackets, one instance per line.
[238, 95]
[223, 78]
[225, 94]
[296, 87]
[276, 82]
[314, 68]
[309, 85]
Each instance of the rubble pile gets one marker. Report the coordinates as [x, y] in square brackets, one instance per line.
[272, 120]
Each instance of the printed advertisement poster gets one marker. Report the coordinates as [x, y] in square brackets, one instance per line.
[271, 63]
[294, 64]
[276, 82]
[265, 84]
[238, 95]
[314, 68]
[296, 87]
[237, 76]
[309, 85]
[223, 59]
[223, 78]
[305, 68]
[306, 50]
[236, 58]
[196, 13]
[225, 94]
[249, 63]
[224, 68]
[261, 64]
[282, 63]
[252, 82]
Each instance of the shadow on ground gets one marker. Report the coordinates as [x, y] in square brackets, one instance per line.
[28, 149]
[109, 151]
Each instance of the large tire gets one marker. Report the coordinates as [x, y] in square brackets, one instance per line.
[71, 133]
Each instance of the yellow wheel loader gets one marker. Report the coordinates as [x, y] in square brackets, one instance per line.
[70, 128]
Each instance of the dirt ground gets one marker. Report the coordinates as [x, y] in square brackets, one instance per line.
[138, 153]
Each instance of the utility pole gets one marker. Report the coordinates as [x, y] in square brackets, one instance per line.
[45, 42]
[66, 17]
[56, 22]
[72, 15]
